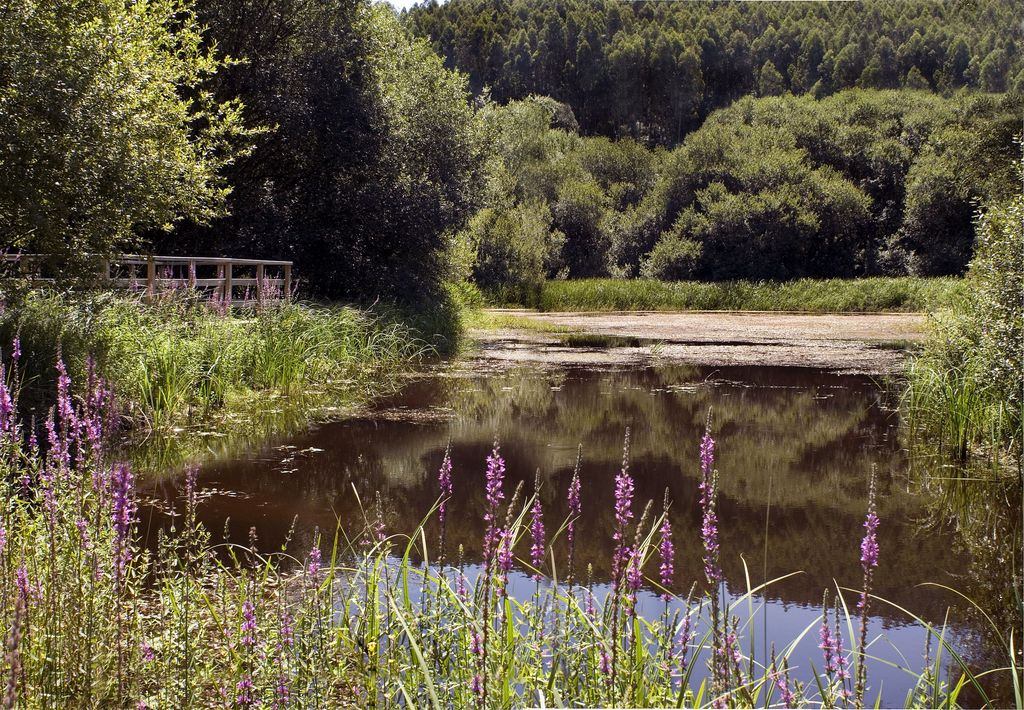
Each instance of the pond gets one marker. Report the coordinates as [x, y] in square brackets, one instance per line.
[796, 447]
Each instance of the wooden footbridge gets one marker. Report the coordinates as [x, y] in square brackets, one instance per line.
[227, 280]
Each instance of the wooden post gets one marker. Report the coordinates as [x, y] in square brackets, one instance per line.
[105, 270]
[227, 284]
[287, 295]
[150, 277]
[192, 274]
[259, 284]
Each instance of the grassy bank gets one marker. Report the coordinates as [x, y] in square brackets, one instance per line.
[966, 390]
[96, 619]
[182, 362]
[904, 294]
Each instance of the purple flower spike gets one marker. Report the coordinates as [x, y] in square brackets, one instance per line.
[709, 523]
[494, 493]
[444, 481]
[624, 488]
[667, 552]
[6, 404]
[248, 624]
[123, 513]
[537, 536]
[313, 564]
[504, 559]
[826, 646]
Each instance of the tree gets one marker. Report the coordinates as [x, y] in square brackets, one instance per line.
[915, 80]
[106, 124]
[770, 82]
[993, 71]
[374, 158]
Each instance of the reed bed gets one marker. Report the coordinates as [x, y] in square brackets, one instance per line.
[876, 294]
[94, 618]
[184, 357]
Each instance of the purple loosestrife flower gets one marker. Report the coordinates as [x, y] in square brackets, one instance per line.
[83, 533]
[826, 645]
[282, 693]
[537, 536]
[248, 624]
[868, 562]
[313, 562]
[6, 404]
[504, 559]
[25, 591]
[477, 686]
[475, 645]
[634, 579]
[685, 636]
[781, 679]
[575, 509]
[623, 514]
[287, 630]
[869, 546]
[605, 666]
[667, 552]
[494, 494]
[444, 482]
[16, 348]
[65, 407]
[709, 522]
[123, 514]
[244, 688]
[842, 666]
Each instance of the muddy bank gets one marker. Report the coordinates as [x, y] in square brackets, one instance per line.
[861, 343]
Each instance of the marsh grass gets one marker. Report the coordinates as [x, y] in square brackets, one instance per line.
[93, 618]
[479, 319]
[179, 361]
[876, 294]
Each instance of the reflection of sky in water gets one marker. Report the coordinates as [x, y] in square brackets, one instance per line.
[795, 448]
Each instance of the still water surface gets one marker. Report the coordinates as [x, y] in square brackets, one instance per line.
[795, 450]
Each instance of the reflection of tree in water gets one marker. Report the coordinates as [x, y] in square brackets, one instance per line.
[983, 505]
[808, 437]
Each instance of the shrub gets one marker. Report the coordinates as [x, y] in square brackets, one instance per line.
[516, 248]
[965, 390]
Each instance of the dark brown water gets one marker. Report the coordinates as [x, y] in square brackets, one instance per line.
[795, 450]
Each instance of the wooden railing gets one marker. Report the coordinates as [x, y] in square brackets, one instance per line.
[221, 277]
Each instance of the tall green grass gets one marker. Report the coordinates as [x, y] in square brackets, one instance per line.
[966, 390]
[178, 361]
[905, 294]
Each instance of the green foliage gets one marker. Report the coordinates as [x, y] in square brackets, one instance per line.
[810, 295]
[177, 360]
[374, 156]
[654, 71]
[107, 124]
[515, 247]
[674, 258]
[554, 198]
[965, 390]
[860, 183]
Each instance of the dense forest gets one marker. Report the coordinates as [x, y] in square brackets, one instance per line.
[655, 70]
[860, 183]
[539, 140]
